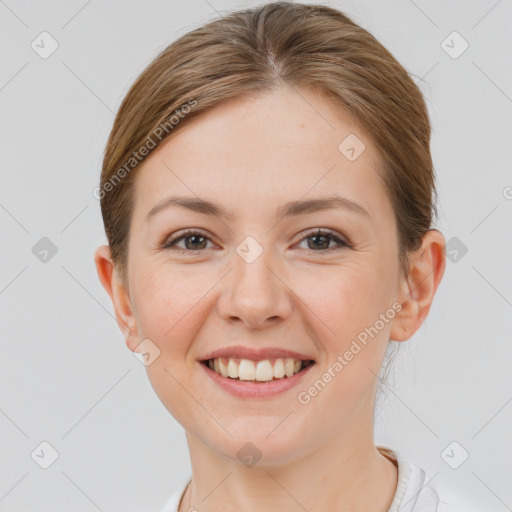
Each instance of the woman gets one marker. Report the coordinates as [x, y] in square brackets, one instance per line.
[268, 193]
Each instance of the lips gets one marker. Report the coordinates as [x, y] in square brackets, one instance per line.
[254, 389]
[256, 373]
[255, 354]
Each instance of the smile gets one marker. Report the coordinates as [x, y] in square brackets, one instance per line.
[257, 371]
[256, 379]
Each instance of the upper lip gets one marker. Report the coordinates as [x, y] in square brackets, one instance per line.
[255, 354]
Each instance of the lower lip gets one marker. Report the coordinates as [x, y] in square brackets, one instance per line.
[265, 389]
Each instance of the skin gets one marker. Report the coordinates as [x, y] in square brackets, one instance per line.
[251, 156]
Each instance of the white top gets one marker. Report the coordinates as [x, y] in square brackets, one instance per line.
[414, 491]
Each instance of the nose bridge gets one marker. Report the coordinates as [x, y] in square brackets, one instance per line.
[254, 294]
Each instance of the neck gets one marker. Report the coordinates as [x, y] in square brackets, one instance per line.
[346, 473]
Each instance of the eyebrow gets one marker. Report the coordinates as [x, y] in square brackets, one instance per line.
[301, 207]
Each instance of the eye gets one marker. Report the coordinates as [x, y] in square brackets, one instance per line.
[193, 240]
[322, 239]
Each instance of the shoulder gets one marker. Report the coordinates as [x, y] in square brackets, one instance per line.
[418, 491]
[450, 501]
[171, 505]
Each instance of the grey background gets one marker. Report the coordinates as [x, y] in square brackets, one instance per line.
[67, 377]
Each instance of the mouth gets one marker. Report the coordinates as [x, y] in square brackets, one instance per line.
[257, 371]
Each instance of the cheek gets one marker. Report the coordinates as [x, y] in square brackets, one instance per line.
[167, 304]
[354, 337]
[348, 298]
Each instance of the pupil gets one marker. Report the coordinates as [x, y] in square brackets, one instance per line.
[324, 237]
[190, 238]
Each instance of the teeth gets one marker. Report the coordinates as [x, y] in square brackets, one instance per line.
[279, 368]
[232, 369]
[265, 370]
[222, 367]
[247, 370]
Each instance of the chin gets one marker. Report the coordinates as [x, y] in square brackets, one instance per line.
[262, 444]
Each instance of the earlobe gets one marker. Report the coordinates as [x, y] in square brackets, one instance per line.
[427, 266]
[118, 293]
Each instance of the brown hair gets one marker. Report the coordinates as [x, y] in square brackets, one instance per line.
[257, 50]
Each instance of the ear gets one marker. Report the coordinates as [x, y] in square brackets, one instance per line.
[119, 294]
[427, 266]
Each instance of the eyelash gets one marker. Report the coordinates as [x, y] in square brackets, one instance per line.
[169, 243]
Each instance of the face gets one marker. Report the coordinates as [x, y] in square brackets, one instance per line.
[258, 275]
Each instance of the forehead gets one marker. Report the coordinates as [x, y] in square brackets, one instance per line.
[280, 145]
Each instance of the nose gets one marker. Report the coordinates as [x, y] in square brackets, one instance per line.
[255, 293]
